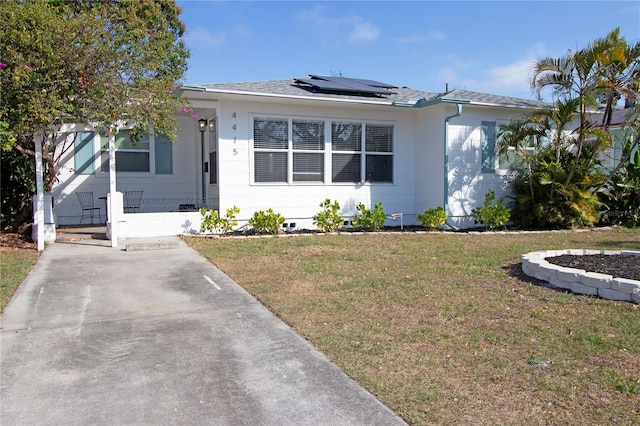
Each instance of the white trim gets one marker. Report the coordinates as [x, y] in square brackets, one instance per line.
[327, 151]
[310, 98]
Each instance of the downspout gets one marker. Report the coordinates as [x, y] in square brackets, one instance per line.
[446, 164]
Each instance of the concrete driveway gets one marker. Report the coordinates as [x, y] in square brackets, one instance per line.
[97, 335]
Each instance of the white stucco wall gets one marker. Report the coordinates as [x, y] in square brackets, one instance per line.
[467, 183]
[418, 182]
[300, 201]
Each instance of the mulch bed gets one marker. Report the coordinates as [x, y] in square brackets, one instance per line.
[17, 240]
[618, 265]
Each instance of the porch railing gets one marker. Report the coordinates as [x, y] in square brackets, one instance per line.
[158, 205]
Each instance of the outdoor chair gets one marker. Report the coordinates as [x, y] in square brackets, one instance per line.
[132, 201]
[88, 209]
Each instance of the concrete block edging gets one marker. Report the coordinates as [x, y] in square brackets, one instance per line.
[534, 264]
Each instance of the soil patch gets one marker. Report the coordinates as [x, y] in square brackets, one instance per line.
[617, 265]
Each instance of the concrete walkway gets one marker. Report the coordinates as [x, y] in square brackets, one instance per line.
[159, 336]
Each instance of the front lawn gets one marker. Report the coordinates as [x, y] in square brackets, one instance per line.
[15, 264]
[445, 329]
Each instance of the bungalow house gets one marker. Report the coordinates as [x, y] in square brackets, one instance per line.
[290, 144]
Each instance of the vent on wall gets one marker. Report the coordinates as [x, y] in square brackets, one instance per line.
[344, 85]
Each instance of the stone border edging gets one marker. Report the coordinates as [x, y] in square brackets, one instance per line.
[578, 280]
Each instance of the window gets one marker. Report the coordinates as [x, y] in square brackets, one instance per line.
[270, 143]
[488, 144]
[296, 151]
[84, 153]
[131, 155]
[213, 167]
[346, 147]
[379, 153]
[164, 155]
[512, 161]
[308, 151]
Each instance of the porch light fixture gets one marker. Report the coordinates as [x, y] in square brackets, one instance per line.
[202, 125]
[212, 126]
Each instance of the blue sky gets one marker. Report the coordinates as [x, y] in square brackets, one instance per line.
[484, 46]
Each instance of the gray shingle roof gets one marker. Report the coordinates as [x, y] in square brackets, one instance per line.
[402, 95]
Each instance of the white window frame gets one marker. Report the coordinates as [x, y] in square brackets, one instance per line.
[326, 151]
[149, 150]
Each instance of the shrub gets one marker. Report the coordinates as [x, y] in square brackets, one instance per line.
[621, 195]
[328, 220]
[266, 221]
[551, 196]
[211, 220]
[491, 215]
[432, 218]
[369, 220]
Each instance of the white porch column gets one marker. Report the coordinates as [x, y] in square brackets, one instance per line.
[113, 211]
[39, 213]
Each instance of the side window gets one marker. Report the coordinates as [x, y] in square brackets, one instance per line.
[131, 155]
[488, 146]
[83, 153]
[164, 155]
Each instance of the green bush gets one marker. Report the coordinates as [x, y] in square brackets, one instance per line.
[491, 216]
[369, 220]
[212, 222]
[621, 196]
[550, 196]
[266, 221]
[328, 220]
[432, 218]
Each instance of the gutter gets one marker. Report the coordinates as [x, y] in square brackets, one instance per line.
[183, 89]
[382, 102]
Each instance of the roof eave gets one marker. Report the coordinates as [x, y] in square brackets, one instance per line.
[385, 102]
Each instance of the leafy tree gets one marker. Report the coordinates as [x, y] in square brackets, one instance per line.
[601, 73]
[16, 186]
[103, 63]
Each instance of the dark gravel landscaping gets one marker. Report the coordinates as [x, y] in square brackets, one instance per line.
[618, 265]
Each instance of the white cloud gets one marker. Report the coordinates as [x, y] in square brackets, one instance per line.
[203, 37]
[364, 32]
[511, 79]
[355, 28]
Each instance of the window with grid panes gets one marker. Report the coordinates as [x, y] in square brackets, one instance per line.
[131, 155]
[308, 150]
[270, 144]
[274, 155]
[346, 152]
[379, 153]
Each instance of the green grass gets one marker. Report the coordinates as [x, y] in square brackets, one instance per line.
[15, 264]
[445, 328]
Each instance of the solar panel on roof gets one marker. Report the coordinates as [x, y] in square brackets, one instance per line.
[364, 81]
[347, 85]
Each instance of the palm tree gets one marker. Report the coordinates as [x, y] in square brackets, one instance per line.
[605, 70]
